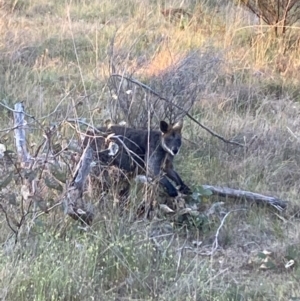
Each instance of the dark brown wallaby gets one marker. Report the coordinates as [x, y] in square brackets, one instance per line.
[139, 149]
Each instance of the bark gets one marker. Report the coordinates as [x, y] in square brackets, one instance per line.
[76, 207]
[248, 196]
[20, 136]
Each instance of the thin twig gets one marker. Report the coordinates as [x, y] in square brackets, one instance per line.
[75, 49]
[23, 112]
[48, 210]
[180, 108]
[215, 244]
[77, 120]
[58, 105]
[216, 275]
[48, 136]
[179, 259]
[9, 129]
[8, 222]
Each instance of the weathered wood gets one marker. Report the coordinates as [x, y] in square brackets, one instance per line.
[74, 204]
[83, 168]
[76, 207]
[247, 195]
[20, 136]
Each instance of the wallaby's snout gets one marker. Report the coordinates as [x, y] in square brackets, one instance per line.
[175, 150]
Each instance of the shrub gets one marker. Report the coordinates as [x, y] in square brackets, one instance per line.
[280, 14]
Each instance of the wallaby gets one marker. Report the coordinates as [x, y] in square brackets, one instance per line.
[140, 148]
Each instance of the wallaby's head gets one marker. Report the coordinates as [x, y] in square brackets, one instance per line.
[171, 136]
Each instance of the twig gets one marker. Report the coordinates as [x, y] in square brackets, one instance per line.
[75, 49]
[216, 241]
[75, 205]
[15, 165]
[21, 111]
[37, 152]
[179, 259]
[180, 108]
[57, 107]
[8, 222]
[215, 244]
[216, 275]
[48, 210]
[292, 133]
[9, 129]
[75, 120]
[48, 136]
[15, 111]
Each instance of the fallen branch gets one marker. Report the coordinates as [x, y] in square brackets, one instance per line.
[247, 195]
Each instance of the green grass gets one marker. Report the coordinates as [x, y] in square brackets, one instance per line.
[56, 57]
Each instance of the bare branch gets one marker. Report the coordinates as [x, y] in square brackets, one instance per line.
[8, 129]
[8, 221]
[178, 107]
[277, 13]
[215, 244]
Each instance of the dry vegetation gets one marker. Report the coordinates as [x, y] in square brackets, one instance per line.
[56, 56]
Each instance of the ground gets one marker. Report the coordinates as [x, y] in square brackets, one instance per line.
[232, 74]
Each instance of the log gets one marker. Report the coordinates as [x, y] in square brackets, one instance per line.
[20, 136]
[247, 195]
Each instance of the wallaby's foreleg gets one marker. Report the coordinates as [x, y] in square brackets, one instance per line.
[168, 186]
[174, 176]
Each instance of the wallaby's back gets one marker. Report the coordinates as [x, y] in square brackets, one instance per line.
[133, 145]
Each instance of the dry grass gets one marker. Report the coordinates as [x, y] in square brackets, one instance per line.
[55, 56]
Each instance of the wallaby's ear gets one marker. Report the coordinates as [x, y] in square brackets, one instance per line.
[178, 125]
[164, 127]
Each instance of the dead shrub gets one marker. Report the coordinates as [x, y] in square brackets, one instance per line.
[167, 95]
